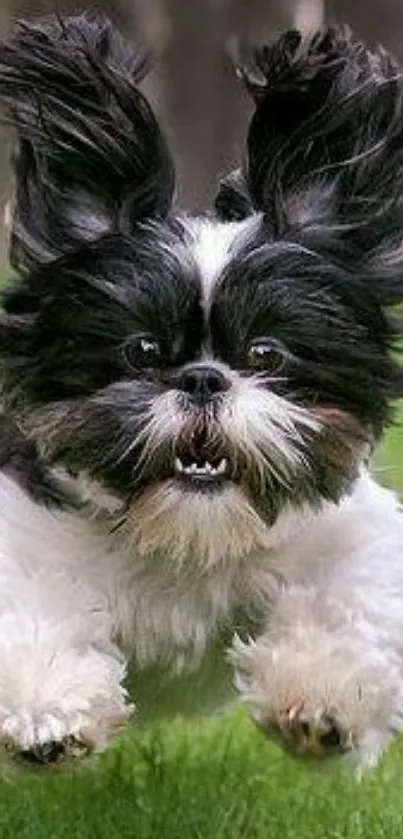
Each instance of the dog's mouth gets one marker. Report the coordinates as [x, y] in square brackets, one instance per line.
[207, 472]
[201, 459]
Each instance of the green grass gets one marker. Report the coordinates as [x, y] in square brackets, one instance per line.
[218, 779]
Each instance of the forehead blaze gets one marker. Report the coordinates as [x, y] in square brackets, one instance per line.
[199, 289]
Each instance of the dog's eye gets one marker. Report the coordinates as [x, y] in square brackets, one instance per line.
[267, 354]
[141, 351]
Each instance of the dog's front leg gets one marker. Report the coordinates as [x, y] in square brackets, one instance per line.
[326, 676]
[61, 692]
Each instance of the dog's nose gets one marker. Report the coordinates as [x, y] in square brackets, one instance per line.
[202, 381]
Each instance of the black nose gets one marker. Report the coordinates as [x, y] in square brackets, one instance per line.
[202, 382]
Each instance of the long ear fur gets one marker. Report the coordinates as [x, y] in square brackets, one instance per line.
[325, 148]
[90, 158]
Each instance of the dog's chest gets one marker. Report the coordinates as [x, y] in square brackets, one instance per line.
[157, 611]
[170, 618]
[177, 633]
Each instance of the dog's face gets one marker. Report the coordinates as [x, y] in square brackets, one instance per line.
[204, 372]
[199, 369]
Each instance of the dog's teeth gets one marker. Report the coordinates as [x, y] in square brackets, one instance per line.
[191, 470]
[207, 470]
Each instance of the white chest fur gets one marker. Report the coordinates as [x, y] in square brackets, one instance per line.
[74, 569]
[71, 595]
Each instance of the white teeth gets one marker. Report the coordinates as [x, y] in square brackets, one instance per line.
[178, 465]
[207, 470]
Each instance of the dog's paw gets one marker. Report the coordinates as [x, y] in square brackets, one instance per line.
[42, 742]
[306, 734]
[57, 708]
[320, 697]
[53, 740]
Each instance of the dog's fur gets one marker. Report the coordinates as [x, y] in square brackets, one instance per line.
[259, 340]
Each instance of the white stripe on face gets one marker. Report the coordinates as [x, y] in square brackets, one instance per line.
[214, 244]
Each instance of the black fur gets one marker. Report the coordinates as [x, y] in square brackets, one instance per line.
[20, 459]
[316, 272]
[233, 201]
[90, 155]
[336, 337]
[329, 117]
[324, 164]
[68, 323]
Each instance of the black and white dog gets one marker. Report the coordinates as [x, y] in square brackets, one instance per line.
[190, 402]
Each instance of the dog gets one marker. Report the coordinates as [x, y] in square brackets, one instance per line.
[190, 403]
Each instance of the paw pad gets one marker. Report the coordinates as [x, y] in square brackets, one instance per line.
[54, 753]
[317, 735]
[332, 739]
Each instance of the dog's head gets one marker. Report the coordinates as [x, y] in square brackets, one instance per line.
[204, 372]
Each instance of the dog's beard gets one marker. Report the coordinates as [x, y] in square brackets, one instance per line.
[256, 436]
[194, 528]
[200, 485]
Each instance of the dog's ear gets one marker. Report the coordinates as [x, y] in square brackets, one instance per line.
[90, 157]
[233, 202]
[325, 148]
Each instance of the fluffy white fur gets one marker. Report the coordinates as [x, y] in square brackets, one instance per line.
[168, 598]
[213, 246]
[75, 609]
[92, 615]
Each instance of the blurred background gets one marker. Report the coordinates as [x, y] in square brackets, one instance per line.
[193, 86]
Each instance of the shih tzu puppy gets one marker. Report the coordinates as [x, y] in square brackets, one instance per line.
[190, 402]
